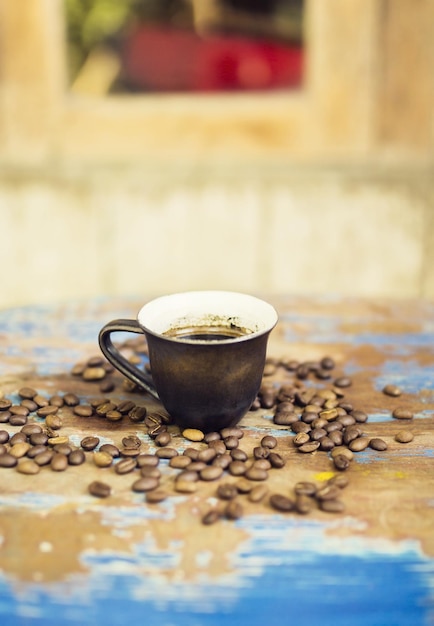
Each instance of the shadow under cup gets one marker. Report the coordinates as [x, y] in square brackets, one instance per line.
[207, 353]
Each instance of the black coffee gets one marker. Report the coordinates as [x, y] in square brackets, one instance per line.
[206, 333]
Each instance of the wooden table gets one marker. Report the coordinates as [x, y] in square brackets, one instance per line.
[68, 557]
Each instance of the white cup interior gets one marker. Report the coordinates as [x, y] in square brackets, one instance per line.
[207, 308]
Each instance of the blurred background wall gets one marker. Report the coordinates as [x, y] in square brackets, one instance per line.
[317, 178]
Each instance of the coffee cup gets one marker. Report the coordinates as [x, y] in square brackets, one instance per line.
[207, 352]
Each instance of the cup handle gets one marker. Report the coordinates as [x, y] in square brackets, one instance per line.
[113, 355]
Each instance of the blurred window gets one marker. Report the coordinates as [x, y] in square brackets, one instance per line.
[139, 46]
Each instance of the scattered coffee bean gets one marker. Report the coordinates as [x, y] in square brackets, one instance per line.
[193, 434]
[232, 431]
[233, 510]
[341, 462]
[227, 491]
[102, 459]
[281, 503]
[27, 393]
[125, 466]
[404, 436]
[308, 448]
[258, 493]
[99, 489]
[70, 399]
[166, 453]
[20, 449]
[392, 390]
[402, 414]
[28, 467]
[59, 462]
[4, 436]
[377, 444]
[54, 422]
[156, 496]
[40, 400]
[231, 442]
[285, 418]
[303, 504]
[49, 409]
[145, 483]
[110, 449]
[83, 410]
[137, 414]
[211, 517]
[256, 474]
[305, 488]
[237, 468]
[30, 405]
[89, 443]
[343, 382]
[147, 460]
[132, 441]
[212, 472]
[179, 462]
[8, 460]
[44, 457]
[359, 444]
[237, 454]
[332, 506]
[163, 439]
[77, 457]
[276, 460]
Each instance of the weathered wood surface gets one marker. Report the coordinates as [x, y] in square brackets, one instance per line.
[66, 556]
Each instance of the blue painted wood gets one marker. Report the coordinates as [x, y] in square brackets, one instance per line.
[329, 570]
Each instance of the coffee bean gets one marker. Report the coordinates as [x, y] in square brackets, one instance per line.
[20, 449]
[145, 483]
[327, 363]
[49, 409]
[18, 409]
[359, 444]
[237, 468]
[339, 480]
[28, 467]
[305, 488]
[179, 462]
[237, 454]
[70, 399]
[56, 440]
[31, 429]
[166, 453]
[377, 444]
[193, 434]
[18, 420]
[131, 442]
[303, 504]
[114, 416]
[227, 491]
[125, 466]
[244, 486]
[153, 472]
[351, 433]
[185, 486]
[91, 374]
[308, 448]
[163, 439]
[155, 496]
[30, 405]
[27, 393]
[317, 434]
[332, 506]
[256, 474]
[137, 414]
[231, 442]
[44, 458]
[258, 493]
[211, 517]
[147, 460]
[404, 436]
[342, 450]
[341, 462]
[5, 416]
[99, 489]
[276, 460]
[260, 453]
[300, 439]
[77, 457]
[4, 436]
[281, 503]
[83, 410]
[107, 385]
[402, 414]
[104, 408]
[342, 382]
[59, 462]
[360, 416]
[54, 422]
[8, 460]
[57, 400]
[329, 491]
[102, 459]
[40, 400]
[222, 460]
[329, 414]
[336, 437]
[212, 436]
[269, 442]
[300, 427]
[233, 510]
[392, 390]
[218, 445]
[212, 472]
[19, 437]
[89, 443]
[207, 455]
[126, 406]
[233, 431]
[63, 448]
[285, 418]
[110, 449]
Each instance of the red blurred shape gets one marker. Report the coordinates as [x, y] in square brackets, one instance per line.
[166, 59]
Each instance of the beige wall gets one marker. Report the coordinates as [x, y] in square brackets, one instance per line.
[330, 190]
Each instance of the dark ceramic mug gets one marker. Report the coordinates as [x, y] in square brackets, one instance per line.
[207, 353]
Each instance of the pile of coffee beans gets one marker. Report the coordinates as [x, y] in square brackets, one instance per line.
[168, 462]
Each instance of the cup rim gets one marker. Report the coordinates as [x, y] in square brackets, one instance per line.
[252, 312]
